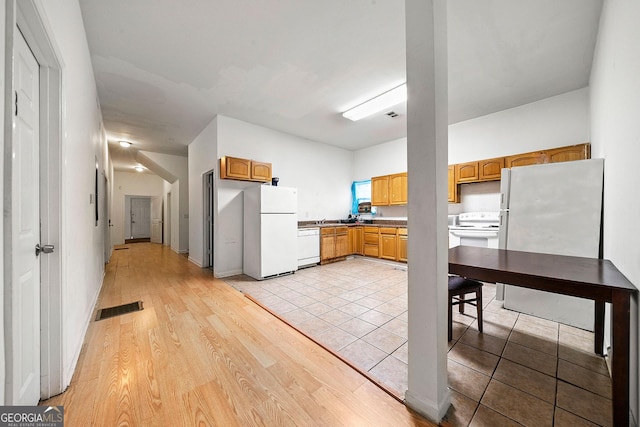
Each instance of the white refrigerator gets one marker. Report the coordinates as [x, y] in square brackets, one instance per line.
[270, 231]
[553, 208]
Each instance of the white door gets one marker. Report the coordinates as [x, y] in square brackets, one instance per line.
[156, 219]
[140, 215]
[24, 376]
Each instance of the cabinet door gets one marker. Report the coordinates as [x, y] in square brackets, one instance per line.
[453, 185]
[327, 243]
[388, 246]
[398, 189]
[467, 172]
[380, 190]
[491, 169]
[342, 244]
[371, 240]
[260, 171]
[402, 248]
[235, 168]
[524, 159]
[355, 240]
[570, 153]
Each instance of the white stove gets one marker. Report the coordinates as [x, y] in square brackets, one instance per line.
[475, 229]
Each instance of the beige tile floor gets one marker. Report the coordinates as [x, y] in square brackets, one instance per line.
[522, 370]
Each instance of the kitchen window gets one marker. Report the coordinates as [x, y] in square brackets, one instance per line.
[360, 192]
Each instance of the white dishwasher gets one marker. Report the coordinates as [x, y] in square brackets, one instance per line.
[308, 246]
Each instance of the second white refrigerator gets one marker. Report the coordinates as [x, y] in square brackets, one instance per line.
[553, 208]
[270, 221]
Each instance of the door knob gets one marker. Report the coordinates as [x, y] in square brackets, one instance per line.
[47, 249]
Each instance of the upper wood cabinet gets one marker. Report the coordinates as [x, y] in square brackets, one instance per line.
[524, 159]
[467, 172]
[398, 189]
[389, 190]
[453, 187]
[244, 169]
[569, 153]
[260, 171]
[490, 169]
[380, 190]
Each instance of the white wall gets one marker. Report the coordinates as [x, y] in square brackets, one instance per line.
[83, 141]
[178, 175]
[2, 129]
[382, 159]
[320, 172]
[130, 184]
[551, 122]
[615, 134]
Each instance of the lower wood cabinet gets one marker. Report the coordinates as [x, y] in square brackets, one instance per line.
[356, 240]
[334, 244]
[388, 244]
[371, 241]
[402, 244]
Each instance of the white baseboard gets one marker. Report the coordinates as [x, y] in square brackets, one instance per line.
[229, 273]
[195, 261]
[431, 410]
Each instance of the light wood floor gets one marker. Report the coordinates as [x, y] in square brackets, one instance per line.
[200, 353]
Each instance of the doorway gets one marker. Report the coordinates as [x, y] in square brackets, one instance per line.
[37, 375]
[137, 219]
[208, 219]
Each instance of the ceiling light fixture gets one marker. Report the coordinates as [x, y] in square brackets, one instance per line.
[379, 103]
[124, 144]
[139, 168]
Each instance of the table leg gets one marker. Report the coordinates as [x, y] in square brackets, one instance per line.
[620, 364]
[599, 327]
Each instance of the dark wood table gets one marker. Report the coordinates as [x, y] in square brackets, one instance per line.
[595, 279]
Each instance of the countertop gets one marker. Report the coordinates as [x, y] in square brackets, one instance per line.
[375, 223]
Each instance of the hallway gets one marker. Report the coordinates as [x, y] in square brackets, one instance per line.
[200, 353]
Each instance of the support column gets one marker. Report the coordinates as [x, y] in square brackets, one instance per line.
[427, 152]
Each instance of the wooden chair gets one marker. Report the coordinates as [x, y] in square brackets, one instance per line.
[458, 288]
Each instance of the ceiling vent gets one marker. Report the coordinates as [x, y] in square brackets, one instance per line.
[392, 114]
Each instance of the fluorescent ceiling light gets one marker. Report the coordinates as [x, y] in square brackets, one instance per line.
[139, 168]
[377, 104]
[125, 144]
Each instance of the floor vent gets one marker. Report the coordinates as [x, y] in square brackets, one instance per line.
[105, 313]
[120, 249]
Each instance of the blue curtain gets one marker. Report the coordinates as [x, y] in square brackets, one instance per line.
[360, 192]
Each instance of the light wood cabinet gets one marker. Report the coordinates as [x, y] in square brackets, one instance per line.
[398, 189]
[342, 242]
[453, 185]
[490, 169]
[380, 190]
[569, 153]
[402, 244]
[356, 240]
[260, 171]
[244, 169]
[524, 159]
[467, 172]
[388, 246]
[334, 244]
[371, 237]
[389, 190]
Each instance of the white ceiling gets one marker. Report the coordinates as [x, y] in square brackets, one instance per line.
[165, 68]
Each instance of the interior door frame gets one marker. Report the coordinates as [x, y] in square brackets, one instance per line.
[208, 204]
[27, 15]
